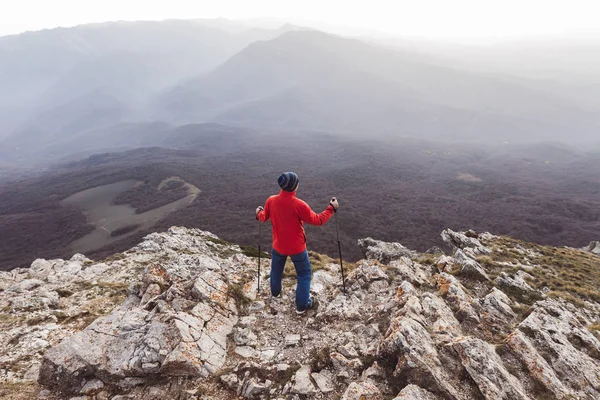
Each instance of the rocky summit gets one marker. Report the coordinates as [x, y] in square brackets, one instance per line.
[179, 317]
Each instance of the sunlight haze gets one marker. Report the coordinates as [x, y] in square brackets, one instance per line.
[462, 20]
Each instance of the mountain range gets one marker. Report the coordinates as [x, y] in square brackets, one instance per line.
[63, 86]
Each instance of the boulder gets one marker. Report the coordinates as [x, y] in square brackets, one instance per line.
[594, 247]
[470, 268]
[361, 391]
[411, 271]
[138, 343]
[568, 347]
[324, 381]
[537, 366]
[456, 296]
[462, 241]
[302, 383]
[487, 370]
[515, 282]
[384, 251]
[414, 392]
[418, 360]
[497, 305]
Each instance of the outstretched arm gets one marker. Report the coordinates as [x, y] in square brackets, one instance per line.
[307, 215]
[262, 214]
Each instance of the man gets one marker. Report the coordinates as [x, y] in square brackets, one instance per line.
[288, 214]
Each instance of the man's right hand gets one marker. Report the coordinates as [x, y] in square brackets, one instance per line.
[334, 203]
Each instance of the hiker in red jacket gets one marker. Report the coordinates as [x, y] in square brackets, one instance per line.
[288, 214]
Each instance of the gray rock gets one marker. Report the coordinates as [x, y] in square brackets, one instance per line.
[32, 373]
[434, 250]
[361, 391]
[246, 352]
[230, 380]
[497, 304]
[324, 381]
[487, 370]
[348, 350]
[514, 282]
[302, 383]
[571, 350]
[414, 392]
[44, 394]
[470, 267]
[135, 343]
[92, 387]
[411, 271]
[244, 336]
[594, 247]
[292, 340]
[253, 388]
[418, 359]
[384, 251]
[256, 306]
[539, 368]
[457, 297]
[461, 241]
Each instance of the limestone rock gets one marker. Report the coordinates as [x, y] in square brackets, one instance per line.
[361, 391]
[446, 263]
[292, 340]
[539, 368]
[487, 370]
[414, 392]
[383, 251]
[497, 304]
[418, 359]
[462, 241]
[253, 388]
[571, 350]
[457, 297]
[302, 383]
[323, 380]
[230, 380]
[514, 282]
[470, 267]
[594, 247]
[411, 271]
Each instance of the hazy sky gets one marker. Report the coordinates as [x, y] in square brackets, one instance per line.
[451, 19]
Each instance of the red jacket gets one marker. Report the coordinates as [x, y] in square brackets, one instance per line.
[288, 214]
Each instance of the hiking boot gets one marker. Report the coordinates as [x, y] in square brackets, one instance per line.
[313, 304]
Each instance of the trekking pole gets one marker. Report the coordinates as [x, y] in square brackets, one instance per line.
[340, 250]
[259, 240]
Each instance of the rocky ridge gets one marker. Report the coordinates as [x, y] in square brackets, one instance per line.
[179, 317]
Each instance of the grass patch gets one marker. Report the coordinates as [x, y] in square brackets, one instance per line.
[19, 390]
[115, 257]
[570, 274]
[428, 259]
[251, 251]
[236, 291]
[217, 241]
[486, 261]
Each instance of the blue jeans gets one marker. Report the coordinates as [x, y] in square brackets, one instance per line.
[303, 271]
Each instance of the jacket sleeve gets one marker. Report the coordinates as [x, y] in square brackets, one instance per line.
[263, 216]
[310, 217]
